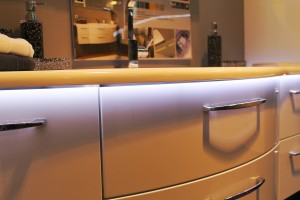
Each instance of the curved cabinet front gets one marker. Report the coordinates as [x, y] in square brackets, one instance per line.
[289, 106]
[160, 135]
[49, 144]
[289, 167]
[254, 180]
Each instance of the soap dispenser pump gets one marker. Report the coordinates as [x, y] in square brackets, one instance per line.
[214, 47]
[32, 29]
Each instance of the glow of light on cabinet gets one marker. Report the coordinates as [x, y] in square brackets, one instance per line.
[177, 101]
[44, 96]
[223, 87]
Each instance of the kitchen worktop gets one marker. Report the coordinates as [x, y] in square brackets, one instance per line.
[136, 75]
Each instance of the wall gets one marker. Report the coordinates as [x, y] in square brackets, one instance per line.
[57, 27]
[272, 31]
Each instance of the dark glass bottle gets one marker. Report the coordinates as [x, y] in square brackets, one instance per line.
[214, 45]
[5, 31]
[32, 29]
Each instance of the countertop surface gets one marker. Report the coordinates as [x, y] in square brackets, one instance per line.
[136, 75]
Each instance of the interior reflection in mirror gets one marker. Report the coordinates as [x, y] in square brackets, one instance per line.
[161, 28]
[95, 23]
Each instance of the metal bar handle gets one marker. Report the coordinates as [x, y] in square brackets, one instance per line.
[260, 182]
[236, 105]
[22, 125]
[295, 91]
[293, 153]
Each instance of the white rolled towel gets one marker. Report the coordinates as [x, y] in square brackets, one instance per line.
[17, 46]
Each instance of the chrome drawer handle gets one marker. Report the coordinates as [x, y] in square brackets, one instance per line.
[293, 153]
[236, 105]
[260, 182]
[22, 125]
[295, 91]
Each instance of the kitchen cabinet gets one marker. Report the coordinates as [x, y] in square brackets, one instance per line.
[58, 159]
[160, 135]
[289, 135]
[205, 140]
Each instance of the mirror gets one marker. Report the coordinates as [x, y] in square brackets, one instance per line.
[161, 28]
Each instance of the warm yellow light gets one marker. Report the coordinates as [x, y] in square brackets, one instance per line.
[114, 2]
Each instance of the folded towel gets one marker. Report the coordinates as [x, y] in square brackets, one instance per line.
[12, 62]
[16, 46]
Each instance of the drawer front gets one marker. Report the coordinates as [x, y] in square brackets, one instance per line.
[83, 39]
[289, 106]
[59, 160]
[95, 39]
[101, 39]
[102, 30]
[258, 175]
[83, 30]
[159, 135]
[289, 167]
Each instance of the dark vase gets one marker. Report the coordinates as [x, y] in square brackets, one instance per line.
[32, 31]
[214, 47]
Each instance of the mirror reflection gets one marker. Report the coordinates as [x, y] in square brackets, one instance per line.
[95, 23]
[162, 29]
